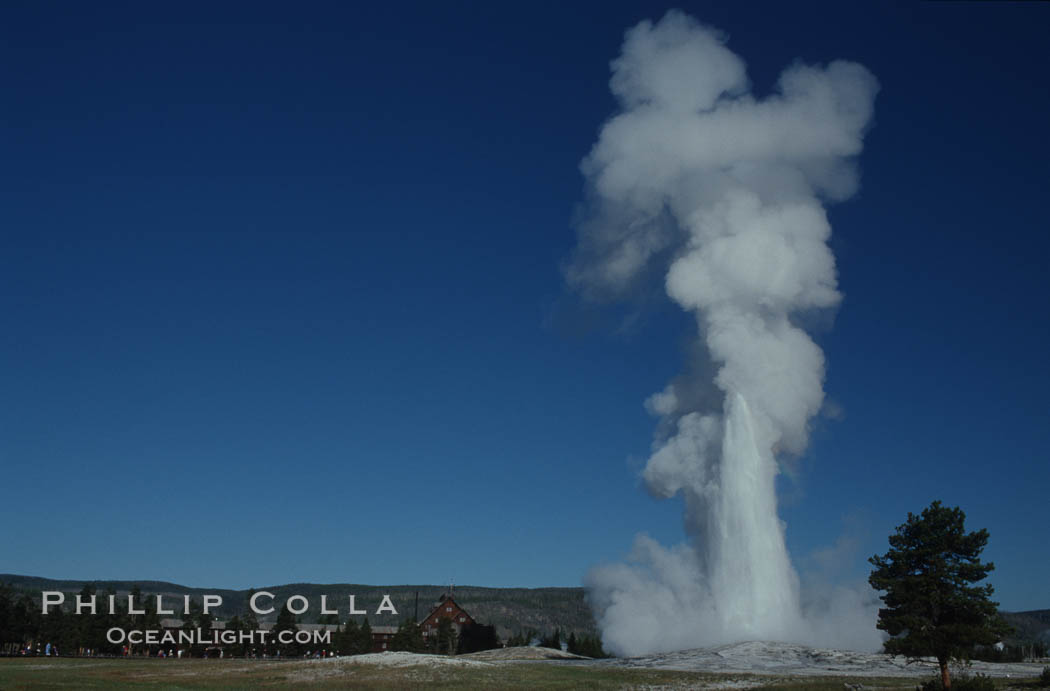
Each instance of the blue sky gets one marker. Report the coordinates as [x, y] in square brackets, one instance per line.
[283, 301]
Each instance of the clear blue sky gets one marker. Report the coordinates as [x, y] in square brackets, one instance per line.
[282, 300]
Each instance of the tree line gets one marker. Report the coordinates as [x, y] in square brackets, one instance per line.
[588, 645]
[25, 629]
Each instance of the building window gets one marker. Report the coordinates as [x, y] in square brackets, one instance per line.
[448, 609]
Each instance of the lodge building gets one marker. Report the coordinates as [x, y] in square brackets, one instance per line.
[445, 608]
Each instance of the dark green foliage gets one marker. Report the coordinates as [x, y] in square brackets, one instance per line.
[473, 638]
[522, 638]
[927, 576]
[354, 639]
[249, 622]
[236, 649]
[586, 645]
[91, 629]
[347, 640]
[364, 638]
[409, 637]
[8, 623]
[285, 622]
[445, 641]
[197, 619]
[1044, 678]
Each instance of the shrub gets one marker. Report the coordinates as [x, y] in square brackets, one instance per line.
[962, 682]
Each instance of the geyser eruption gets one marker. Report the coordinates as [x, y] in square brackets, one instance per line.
[721, 192]
[751, 572]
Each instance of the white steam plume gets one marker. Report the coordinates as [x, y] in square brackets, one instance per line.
[721, 192]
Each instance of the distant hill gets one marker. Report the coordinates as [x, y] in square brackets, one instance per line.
[510, 610]
[1030, 626]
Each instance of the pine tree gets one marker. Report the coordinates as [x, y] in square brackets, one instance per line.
[349, 639]
[931, 606]
[446, 637]
[409, 637]
[7, 620]
[91, 630]
[190, 623]
[364, 644]
[249, 622]
[590, 646]
[476, 637]
[285, 622]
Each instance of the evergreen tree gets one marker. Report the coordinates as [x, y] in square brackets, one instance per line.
[7, 619]
[409, 637]
[55, 629]
[204, 623]
[249, 622]
[236, 625]
[476, 637]
[286, 622]
[92, 629]
[136, 621]
[522, 638]
[445, 640]
[193, 621]
[28, 620]
[150, 620]
[364, 644]
[590, 646]
[108, 621]
[931, 606]
[349, 638]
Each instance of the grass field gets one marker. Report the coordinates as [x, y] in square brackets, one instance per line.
[38, 673]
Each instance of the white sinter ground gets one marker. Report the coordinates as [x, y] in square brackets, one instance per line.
[759, 657]
[779, 660]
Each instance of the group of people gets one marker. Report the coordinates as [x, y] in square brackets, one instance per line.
[49, 650]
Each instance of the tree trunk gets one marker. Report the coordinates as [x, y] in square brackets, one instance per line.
[946, 680]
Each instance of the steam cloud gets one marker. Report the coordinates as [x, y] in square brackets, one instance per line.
[721, 192]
